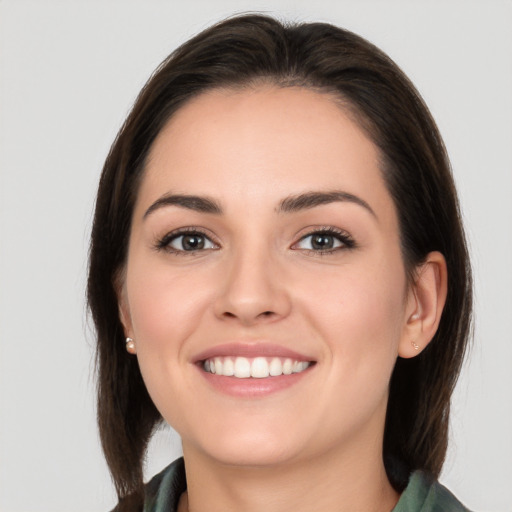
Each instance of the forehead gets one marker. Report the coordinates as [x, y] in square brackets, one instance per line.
[262, 144]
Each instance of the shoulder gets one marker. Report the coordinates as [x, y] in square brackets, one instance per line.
[425, 494]
[163, 491]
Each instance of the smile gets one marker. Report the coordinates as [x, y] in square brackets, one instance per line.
[257, 367]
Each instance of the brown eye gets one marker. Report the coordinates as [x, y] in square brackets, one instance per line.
[190, 242]
[321, 242]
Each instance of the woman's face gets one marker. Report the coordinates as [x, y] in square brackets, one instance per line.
[264, 240]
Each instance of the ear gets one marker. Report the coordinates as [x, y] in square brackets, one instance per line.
[126, 320]
[425, 303]
[123, 307]
[124, 316]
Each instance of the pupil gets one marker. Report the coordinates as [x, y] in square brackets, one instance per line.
[322, 242]
[192, 242]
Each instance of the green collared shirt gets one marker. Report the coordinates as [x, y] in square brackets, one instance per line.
[422, 494]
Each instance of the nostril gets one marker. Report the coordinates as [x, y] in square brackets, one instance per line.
[263, 314]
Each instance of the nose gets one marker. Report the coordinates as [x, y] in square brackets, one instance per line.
[253, 290]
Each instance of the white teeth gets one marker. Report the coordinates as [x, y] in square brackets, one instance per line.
[229, 367]
[242, 368]
[276, 367]
[299, 366]
[257, 368]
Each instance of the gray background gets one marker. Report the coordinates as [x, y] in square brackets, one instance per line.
[69, 72]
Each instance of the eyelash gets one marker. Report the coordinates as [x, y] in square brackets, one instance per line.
[347, 242]
[163, 244]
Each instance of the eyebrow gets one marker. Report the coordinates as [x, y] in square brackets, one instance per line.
[312, 199]
[196, 203]
[290, 204]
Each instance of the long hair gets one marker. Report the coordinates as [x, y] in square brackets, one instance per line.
[244, 51]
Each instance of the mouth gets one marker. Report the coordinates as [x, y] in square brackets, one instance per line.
[252, 370]
[256, 367]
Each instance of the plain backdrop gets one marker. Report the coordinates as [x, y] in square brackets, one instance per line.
[69, 72]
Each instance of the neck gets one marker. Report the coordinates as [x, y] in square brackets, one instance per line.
[331, 483]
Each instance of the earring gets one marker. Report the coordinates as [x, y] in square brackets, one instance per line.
[415, 345]
[130, 346]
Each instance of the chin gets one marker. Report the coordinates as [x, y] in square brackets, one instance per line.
[243, 456]
[249, 446]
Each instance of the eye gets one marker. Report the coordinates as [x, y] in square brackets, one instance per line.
[189, 241]
[324, 241]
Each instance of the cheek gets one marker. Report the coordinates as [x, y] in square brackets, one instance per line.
[165, 306]
[359, 311]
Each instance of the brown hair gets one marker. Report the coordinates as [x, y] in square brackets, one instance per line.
[244, 51]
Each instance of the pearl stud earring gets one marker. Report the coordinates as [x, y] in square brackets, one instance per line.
[130, 346]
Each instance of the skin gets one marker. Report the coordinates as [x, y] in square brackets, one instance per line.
[259, 279]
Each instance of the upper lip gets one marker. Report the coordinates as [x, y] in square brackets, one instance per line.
[250, 350]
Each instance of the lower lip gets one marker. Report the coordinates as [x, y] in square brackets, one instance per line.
[251, 387]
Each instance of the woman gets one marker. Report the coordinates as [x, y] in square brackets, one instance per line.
[279, 271]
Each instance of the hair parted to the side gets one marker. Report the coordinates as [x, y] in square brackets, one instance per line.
[245, 51]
